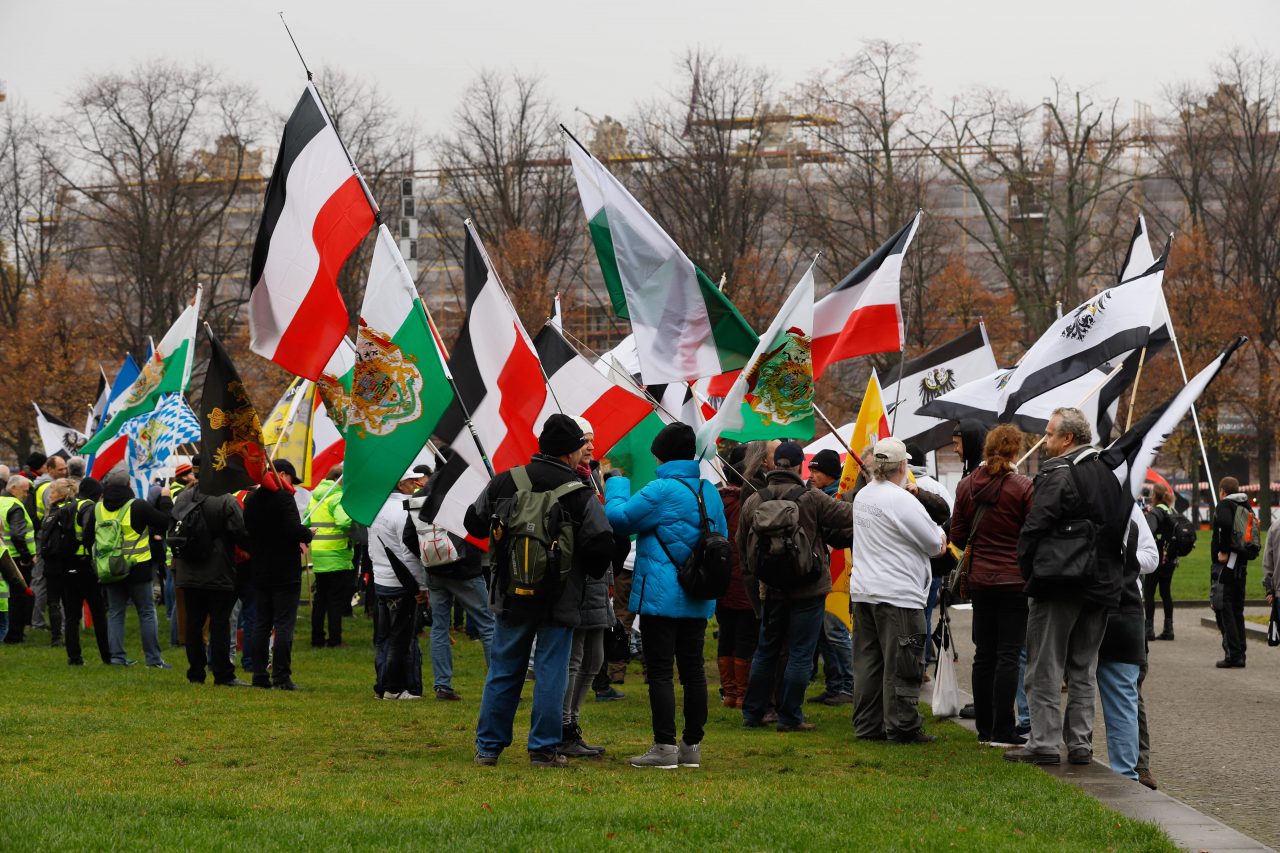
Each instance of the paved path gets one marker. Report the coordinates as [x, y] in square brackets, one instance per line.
[1215, 733]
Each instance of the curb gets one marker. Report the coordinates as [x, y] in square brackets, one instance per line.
[1252, 630]
[1188, 828]
[1196, 602]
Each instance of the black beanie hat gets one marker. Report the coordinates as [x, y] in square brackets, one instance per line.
[675, 441]
[561, 435]
[788, 454]
[90, 489]
[36, 460]
[827, 461]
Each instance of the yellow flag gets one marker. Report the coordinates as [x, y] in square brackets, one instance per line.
[286, 432]
[871, 426]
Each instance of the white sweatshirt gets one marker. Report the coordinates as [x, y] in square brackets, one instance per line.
[893, 539]
[388, 530]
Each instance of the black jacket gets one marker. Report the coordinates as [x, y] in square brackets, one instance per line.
[1056, 499]
[593, 537]
[142, 517]
[225, 521]
[1125, 639]
[1224, 520]
[275, 534]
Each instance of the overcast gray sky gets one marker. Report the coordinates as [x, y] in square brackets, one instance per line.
[604, 56]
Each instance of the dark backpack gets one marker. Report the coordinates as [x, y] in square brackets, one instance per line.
[779, 551]
[1182, 536]
[531, 538]
[189, 537]
[709, 568]
[58, 539]
[1246, 533]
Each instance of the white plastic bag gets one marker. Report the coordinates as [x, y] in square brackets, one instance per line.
[946, 692]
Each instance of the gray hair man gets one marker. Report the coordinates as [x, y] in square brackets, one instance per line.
[893, 539]
[1078, 502]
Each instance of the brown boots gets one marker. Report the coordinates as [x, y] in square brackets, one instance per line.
[734, 674]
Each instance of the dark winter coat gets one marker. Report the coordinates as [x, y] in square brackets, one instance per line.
[1057, 499]
[994, 560]
[593, 537]
[276, 534]
[1125, 639]
[225, 521]
[1224, 519]
[735, 598]
[973, 435]
[828, 521]
[142, 516]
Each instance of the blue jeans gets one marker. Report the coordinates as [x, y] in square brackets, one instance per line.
[472, 595]
[170, 606]
[796, 624]
[1024, 709]
[119, 595]
[835, 645]
[4, 625]
[508, 664]
[930, 603]
[1118, 690]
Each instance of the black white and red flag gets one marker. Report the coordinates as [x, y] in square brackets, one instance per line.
[315, 212]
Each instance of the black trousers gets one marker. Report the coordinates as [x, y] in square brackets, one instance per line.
[276, 609]
[393, 632]
[1231, 616]
[739, 632]
[212, 606]
[332, 601]
[20, 609]
[999, 633]
[77, 589]
[1162, 580]
[670, 644]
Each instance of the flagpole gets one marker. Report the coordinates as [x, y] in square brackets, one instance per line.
[316, 503]
[856, 458]
[1195, 418]
[1083, 400]
[290, 415]
[902, 363]
[471, 227]
[457, 395]
[1133, 395]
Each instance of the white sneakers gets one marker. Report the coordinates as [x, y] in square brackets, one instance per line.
[405, 695]
[665, 756]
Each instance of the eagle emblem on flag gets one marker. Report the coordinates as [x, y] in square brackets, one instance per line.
[936, 382]
[1086, 317]
[386, 387]
[148, 380]
[336, 399]
[246, 433]
[780, 384]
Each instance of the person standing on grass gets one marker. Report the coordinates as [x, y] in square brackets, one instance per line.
[1124, 650]
[835, 642]
[665, 514]
[276, 536]
[207, 579]
[1230, 567]
[119, 528]
[399, 588]
[537, 588]
[1076, 498]
[81, 587]
[20, 536]
[735, 614]
[791, 614]
[991, 506]
[587, 656]
[331, 559]
[893, 540]
[1161, 520]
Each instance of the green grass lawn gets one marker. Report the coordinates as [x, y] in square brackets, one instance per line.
[1191, 579]
[103, 757]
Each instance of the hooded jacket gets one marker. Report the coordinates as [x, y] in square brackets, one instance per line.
[826, 520]
[994, 559]
[1057, 499]
[664, 509]
[593, 543]
[116, 492]
[225, 521]
[973, 435]
[1224, 519]
[735, 598]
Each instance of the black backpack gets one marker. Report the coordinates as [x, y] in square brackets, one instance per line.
[779, 551]
[58, 539]
[189, 537]
[1182, 537]
[707, 572]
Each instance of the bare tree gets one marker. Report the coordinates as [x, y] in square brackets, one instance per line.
[1047, 182]
[30, 202]
[156, 157]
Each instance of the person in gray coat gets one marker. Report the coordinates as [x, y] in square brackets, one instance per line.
[208, 584]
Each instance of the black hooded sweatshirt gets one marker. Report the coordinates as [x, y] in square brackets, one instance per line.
[142, 515]
[973, 436]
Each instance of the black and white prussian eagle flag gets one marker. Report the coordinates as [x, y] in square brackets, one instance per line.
[927, 377]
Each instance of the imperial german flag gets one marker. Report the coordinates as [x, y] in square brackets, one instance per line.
[233, 456]
[399, 387]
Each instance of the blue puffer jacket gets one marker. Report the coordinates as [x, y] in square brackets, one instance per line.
[666, 506]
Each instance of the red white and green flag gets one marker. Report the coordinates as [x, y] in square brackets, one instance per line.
[685, 328]
[167, 371]
[399, 386]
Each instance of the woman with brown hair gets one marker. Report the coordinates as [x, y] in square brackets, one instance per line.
[991, 505]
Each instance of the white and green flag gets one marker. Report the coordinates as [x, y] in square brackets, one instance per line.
[773, 396]
[399, 387]
[167, 371]
[685, 328]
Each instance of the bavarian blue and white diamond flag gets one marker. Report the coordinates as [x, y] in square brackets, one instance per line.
[155, 435]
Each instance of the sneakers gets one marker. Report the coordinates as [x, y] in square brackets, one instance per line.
[447, 694]
[548, 758]
[485, 760]
[1145, 778]
[663, 756]
[1080, 756]
[1007, 743]
[838, 699]
[802, 726]
[689, 754]
[161, 665]
[610, 695]
[1022, 755]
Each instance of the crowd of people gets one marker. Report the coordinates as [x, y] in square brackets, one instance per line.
[581, 567]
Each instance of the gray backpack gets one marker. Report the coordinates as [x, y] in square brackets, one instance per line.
[531, 539]
[779, 551]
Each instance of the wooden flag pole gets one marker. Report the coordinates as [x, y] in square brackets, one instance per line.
[1133, 395]
[1083, 400]
[862, 466]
